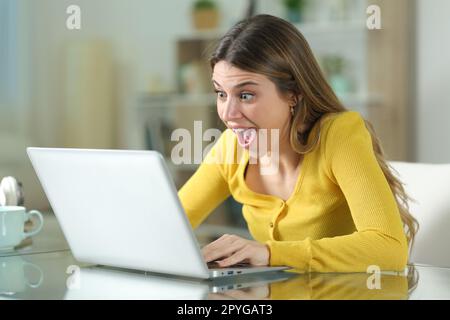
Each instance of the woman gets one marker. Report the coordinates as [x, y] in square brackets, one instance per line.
[333, 204]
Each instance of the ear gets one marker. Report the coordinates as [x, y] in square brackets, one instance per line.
[295, 99]
[291, 99]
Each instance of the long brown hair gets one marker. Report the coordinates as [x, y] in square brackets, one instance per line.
[273, 47]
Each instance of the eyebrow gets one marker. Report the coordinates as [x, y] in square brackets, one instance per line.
[240, 84]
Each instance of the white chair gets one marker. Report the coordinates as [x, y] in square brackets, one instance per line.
[429, 186]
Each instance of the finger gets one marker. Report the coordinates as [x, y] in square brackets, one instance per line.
[224, 236]
[225, 250]
[211, 245]
[225, 240]
[215, 244]
[237, 257]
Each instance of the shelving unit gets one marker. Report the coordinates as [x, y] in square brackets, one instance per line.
[343, 38]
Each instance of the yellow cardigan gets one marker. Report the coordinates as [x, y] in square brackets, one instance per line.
[341, 217]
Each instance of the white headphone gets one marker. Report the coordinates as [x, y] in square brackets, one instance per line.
[11, 192]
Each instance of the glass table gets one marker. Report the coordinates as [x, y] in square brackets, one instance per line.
[58, 275]
[46, 269]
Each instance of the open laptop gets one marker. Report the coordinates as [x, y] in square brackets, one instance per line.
[120, 208]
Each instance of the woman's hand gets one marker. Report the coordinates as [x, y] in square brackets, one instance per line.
[233, 249]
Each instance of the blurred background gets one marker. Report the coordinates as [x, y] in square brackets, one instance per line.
[136, 70]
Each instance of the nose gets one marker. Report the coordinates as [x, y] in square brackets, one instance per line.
[229, 110]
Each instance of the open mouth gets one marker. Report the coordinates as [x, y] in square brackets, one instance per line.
[245, 136]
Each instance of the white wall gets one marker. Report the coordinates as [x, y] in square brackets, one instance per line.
[432, 284]
[433, 81]
[142, 33]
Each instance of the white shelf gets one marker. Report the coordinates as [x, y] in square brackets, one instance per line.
[326, 28]
[205, 35]
[344, 26]
[176, 100]
[360, 99]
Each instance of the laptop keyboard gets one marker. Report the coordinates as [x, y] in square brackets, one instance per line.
[215, 265]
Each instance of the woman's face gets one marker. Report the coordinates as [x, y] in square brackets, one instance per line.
[248, 102]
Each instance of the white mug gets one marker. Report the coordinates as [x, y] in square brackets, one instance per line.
[12, 222]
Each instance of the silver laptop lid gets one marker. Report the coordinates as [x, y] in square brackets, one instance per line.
[119, 208]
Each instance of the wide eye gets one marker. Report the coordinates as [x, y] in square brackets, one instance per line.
[220, 94]
[245, 96]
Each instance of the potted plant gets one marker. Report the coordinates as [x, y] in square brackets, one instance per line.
[294, 10]
[205, 14]
[334, 68]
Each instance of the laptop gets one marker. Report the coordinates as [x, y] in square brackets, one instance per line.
[120, 208]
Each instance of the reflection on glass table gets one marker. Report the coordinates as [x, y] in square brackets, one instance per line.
[58, 276]
[35, 276]
[329, 286]
[112, 283]
[18, 275]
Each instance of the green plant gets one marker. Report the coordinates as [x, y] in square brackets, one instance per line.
[294, 10]
[204, 4]
[294, 4]
[333, 64]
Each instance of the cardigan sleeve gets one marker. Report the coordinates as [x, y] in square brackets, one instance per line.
[207, 188]
[379, 238]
